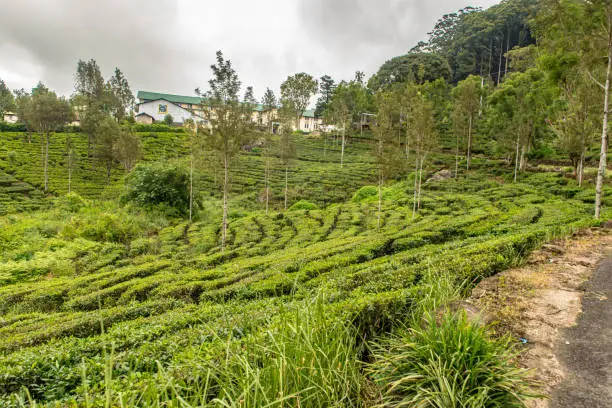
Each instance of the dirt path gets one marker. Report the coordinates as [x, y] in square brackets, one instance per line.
[585, 350]
[540, 304]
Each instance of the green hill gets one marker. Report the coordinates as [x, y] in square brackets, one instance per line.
[87, 282]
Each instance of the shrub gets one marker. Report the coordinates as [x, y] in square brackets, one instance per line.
[450, 363]
[365, 193]
[159, 184]
[303, 205]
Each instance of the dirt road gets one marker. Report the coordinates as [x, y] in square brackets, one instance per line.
[585, 350]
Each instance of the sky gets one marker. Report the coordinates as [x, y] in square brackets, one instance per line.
[168, 45]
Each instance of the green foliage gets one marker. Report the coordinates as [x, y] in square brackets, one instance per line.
[448, 363]
[303, 205]
[159, 184]
[412, 67]
[168, 120]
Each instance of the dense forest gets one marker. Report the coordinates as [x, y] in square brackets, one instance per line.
[233, 262]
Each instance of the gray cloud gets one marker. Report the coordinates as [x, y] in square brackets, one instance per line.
[168, 45]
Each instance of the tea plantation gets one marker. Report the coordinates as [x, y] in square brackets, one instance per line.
[104, 304]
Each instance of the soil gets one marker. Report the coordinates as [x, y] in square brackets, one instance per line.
[540, 303]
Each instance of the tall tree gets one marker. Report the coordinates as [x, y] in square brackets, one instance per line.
[230, 120]
[296, 92]
[120, 88]
[90, 97]
[423, 137]
[467, 101]
[127, 148]
[387, 150]
[7, 101]
[44, 112]
[287, 149]
[585, 27]
[270, 107]
[326, 88]
[517, 113]
[107, 134]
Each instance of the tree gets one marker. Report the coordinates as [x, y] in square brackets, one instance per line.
[127, 149]
[517, 113]
[467, 101]
[387, 150]
[120, 88]
[423, 137]
[269, 107]
[7, 101]
[107, 134]
[585, 27]
[230, 121]
[405, 68]
[296, 92]
[158, 184]
[326, 88]
[287, 149]
[90, 99]
[168, 119]
[44, 112]
[70, 160]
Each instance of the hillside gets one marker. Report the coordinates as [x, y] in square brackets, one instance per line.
[88, 286]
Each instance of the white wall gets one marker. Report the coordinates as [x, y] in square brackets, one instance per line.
[153, 108]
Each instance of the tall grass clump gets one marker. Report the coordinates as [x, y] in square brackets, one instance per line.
[308, 362]
[446, 363]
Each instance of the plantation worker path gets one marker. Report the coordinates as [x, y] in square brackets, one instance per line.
[558, 307]
[585, 350]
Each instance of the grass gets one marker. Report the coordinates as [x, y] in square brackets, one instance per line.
[100, 301]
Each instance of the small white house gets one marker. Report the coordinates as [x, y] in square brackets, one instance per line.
[10, 117]
[156, 111]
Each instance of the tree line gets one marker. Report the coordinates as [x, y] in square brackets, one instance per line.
[516, 78]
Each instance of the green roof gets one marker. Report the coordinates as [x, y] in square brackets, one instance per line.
[194, 100]
[152, 96]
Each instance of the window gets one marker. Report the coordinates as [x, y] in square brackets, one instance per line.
[162, 108]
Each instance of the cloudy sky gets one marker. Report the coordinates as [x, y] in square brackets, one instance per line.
[168, 45]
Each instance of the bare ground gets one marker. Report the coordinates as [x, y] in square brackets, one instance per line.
[537, 301]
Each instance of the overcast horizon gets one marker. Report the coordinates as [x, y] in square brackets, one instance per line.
[170, 46]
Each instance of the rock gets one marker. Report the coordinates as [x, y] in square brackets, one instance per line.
[441, 175]
[556, 249]
[607, 224]
[589, 263]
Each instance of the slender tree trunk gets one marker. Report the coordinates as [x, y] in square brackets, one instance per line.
[507, 49]
[501, 53]
[286, 184]
[267, 181]
[469, 146]
[69, 170]
[420, 182]
[191, 185]
[225, 199]
[601, 171]
[580, 169]
[380, 181]
[342, 151]
[516, 157]
[523, 162]
[457, 157]
[416, 182]
[47, 162]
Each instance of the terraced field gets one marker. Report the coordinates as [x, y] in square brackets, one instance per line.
[314, 175]
[83, 279]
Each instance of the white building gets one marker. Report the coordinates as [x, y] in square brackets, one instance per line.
[153, 107]
[10, 117]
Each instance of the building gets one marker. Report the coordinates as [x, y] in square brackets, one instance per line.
[10, 117]
[153, 107]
